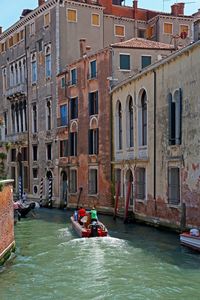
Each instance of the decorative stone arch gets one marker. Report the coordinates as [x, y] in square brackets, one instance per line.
[142, 117]
[74, 126]
[93, 122]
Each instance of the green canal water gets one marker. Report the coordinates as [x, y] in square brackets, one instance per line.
[135, 262]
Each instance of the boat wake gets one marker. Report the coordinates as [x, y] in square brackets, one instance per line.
[64, 232]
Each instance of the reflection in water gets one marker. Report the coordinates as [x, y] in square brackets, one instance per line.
[135, 262]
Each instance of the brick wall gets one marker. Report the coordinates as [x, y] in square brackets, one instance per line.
[6, 218]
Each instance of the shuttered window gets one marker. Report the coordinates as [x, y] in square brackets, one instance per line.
[73, 181]
[47, 19]
[93, 184]
[168, 28]
[145, 61]
[72, 15]
[74, 108]
[175, 117]
[95, 20]
[173, 186]
[73, 144]
[140, 183]
[64, 148]
[93, 103]
[119, 30]
[184, 28]
[124, 61]
[93, 141]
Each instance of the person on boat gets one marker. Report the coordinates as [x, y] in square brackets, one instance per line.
[81, 214]
[93, 214]
[76, 214]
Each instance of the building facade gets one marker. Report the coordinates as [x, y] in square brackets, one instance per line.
[156, 141]
[32, 52]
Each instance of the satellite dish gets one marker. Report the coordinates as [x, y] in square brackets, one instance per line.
[183, 35]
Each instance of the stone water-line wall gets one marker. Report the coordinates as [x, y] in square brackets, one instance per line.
[7, 239]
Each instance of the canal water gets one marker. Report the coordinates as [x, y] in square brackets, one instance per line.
[135, 262]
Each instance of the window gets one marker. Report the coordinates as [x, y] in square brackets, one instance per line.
[93, 103]
[48, 62]
[71, 15]
[140, 183]
[184, 28]
[119, 125]
[144, 118]
[74, 108]
[34, 114]
[95, 20]
[13, 176]
[21, 34]
[5, 122]
[40, 45]
[47, 20]
[174, 186]
[24, 152]
[119, 30]
[141, 33]
[13, 154]
[64, 148]
[34, 68]
[73, 75]
[63, 115]
[124, 61]
[10, 42]
[48, 151]
[32, 28]
[93, 141]
[73, 143]
[48, 115]
[146, 61]
[175, 117]
[35, 151]
[130, 122]
[93, 182]
[35, 173]
[2, 47]
[93, 69]
[150, 32]
[73, 181]
[25, 177]
[168, 28]
[4, 78]
[63, 82]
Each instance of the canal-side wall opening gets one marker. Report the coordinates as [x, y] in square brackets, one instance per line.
[7, 239]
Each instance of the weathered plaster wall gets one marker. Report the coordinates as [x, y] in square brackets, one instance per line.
[6, 220]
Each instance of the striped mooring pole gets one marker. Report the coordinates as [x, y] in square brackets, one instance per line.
[20, 187]
[41, 190]
[50, 193]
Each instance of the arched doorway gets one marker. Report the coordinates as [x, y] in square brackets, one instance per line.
[129, 184]
[49, 187]
[63, 189]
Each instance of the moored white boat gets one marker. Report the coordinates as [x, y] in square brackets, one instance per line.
[190, 240]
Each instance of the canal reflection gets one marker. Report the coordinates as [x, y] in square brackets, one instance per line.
[135, 262]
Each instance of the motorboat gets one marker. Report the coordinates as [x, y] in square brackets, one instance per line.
[191, 239]
[94, 229]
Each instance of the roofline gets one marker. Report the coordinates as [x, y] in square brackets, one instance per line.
[149, 48]
[156, 65]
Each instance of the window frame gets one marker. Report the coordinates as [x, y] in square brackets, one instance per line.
[142, 183]
[146, 56]
[95, 14]
[172, 27]
[120, 56]
[172, 185]
[72, 21]
[47, 24]
[122, 26]
[73, 183]
[93, 181]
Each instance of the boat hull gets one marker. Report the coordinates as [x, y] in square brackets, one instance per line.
[190, 241]
[86, 232]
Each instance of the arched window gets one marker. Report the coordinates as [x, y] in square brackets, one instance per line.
[25, 114]
[130, 122]
[13, 117]
[34, 68]
[21, 116]
[48, 62]
[49, 115]
[175, 119]
[119, 126]
[144, 118]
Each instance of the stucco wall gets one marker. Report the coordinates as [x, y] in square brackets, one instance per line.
[6, 219]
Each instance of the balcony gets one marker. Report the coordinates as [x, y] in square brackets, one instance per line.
[16, 91]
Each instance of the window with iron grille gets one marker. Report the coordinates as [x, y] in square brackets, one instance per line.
[174, 186]
[140, 183]
[74, 108]
[64, 148]
[93, 183]
[73, 181]
[93, 103]
[73, 143]
[93, 139]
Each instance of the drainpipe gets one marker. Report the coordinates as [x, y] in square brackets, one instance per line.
[154, 146]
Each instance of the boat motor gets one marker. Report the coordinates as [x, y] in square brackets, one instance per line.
[94, 229]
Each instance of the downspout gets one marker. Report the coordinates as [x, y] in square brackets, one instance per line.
[155, 145]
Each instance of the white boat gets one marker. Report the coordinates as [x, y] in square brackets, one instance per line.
[190, 240]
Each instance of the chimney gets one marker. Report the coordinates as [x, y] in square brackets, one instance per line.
[135, 7]
[177, 9]
[41, 2]
[1, 30]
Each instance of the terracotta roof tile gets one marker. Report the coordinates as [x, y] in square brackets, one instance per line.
[142, 43]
